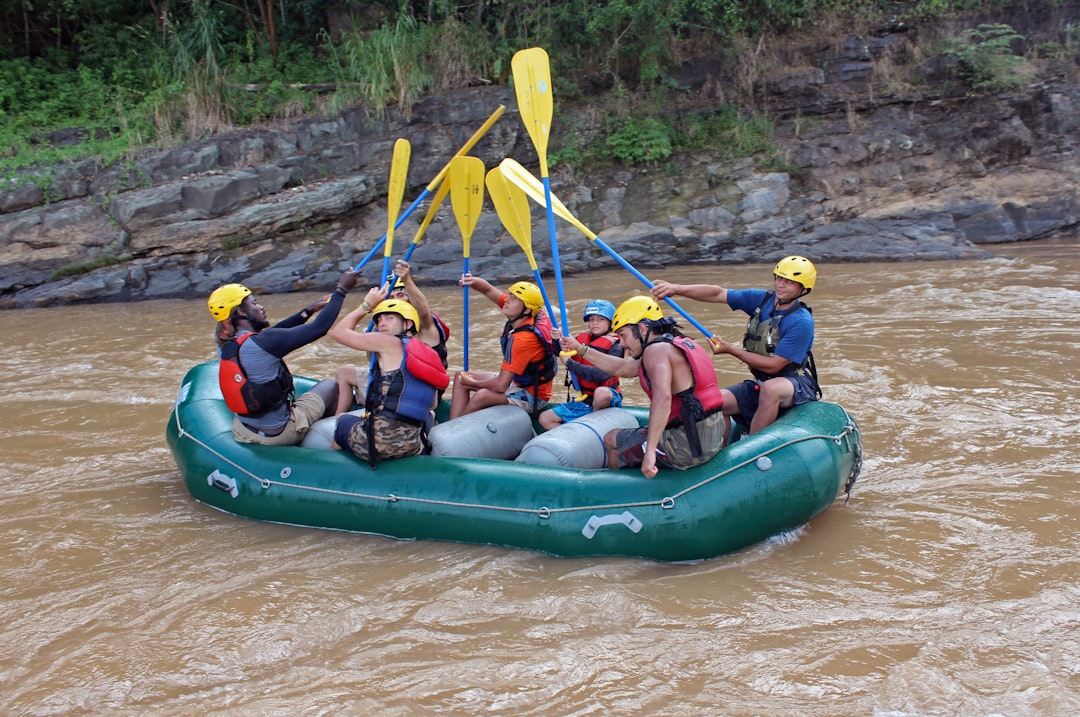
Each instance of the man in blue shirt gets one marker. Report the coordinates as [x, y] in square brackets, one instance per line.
[776, 346]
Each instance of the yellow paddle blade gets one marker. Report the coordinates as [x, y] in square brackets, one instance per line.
[512, 205]
[399, 172]
[524, 179]
[532, 84]
[467, 194]
[433, 208]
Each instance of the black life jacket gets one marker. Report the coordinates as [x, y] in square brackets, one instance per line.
[538, 373]
[248, 398]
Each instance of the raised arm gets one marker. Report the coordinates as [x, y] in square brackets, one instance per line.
[700, 292]
[478, 284]
[427, 331]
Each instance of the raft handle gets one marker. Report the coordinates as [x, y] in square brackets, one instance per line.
[223, 482]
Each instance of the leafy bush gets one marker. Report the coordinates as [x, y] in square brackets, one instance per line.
[637, 141]
[986, 58]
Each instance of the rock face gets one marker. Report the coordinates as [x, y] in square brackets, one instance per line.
[874, 176]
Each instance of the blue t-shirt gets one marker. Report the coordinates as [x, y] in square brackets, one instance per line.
[796, 328]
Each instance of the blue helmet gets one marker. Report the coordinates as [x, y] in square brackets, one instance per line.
[599, 307]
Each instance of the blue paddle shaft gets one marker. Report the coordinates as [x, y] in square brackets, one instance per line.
[644, 280]
[465, 318]
[555, 262]
[379, 244]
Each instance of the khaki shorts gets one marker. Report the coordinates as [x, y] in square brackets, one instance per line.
[674, 449]
[305, 410]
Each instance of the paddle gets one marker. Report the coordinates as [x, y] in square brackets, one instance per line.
[434, 183]
[467, 199]
[532, 85]
[399, 173]
[521, 177]
[512, 206]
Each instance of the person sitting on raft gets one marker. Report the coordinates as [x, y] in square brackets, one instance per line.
[254, 379]
[597, 389]
[686, 424]
[528, 367]
[776, 346]
[352, 381]
[405, 379]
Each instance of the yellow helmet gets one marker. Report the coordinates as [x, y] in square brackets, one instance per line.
[798, 269]
[225, 299]
[529, 294]
[634, 310]
[400, 307]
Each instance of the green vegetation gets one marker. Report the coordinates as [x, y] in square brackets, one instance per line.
[104, 78]
[987, 61]
[85, 267]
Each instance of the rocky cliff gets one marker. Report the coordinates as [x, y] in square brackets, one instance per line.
[876, 174]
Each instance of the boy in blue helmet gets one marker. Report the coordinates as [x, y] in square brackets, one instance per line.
[597, 389]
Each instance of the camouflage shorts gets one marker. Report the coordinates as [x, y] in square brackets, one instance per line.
[393, 439]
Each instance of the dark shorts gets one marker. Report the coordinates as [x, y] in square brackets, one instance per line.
[746, 396]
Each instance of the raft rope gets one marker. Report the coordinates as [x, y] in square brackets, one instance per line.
[845, 437]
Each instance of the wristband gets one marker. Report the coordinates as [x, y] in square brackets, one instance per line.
[582, 354]
[365, 307]
[341, 290]
[304, 314]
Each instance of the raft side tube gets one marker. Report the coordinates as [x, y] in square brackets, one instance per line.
[498, 432]
[578, 443]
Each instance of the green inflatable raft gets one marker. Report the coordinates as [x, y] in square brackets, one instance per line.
[760, 486]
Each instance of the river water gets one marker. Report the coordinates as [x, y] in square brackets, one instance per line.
[948, 585]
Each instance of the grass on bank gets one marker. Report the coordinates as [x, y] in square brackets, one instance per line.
[202, 76]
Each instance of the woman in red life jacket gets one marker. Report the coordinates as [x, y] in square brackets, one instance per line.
[352, 381]
[406, 376]
[597, 389]
[524, 379]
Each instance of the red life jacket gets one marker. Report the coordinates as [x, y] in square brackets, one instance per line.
[701, 400]
[704, 387]
[424, 362]
[245, 397]
[595, 343]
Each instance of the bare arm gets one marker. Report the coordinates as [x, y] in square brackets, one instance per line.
[769, 364]
[621, 366]
[345, 332]
[427, 331]
[497, 382]
[658, 366]
[700, 292]
[478, 284]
